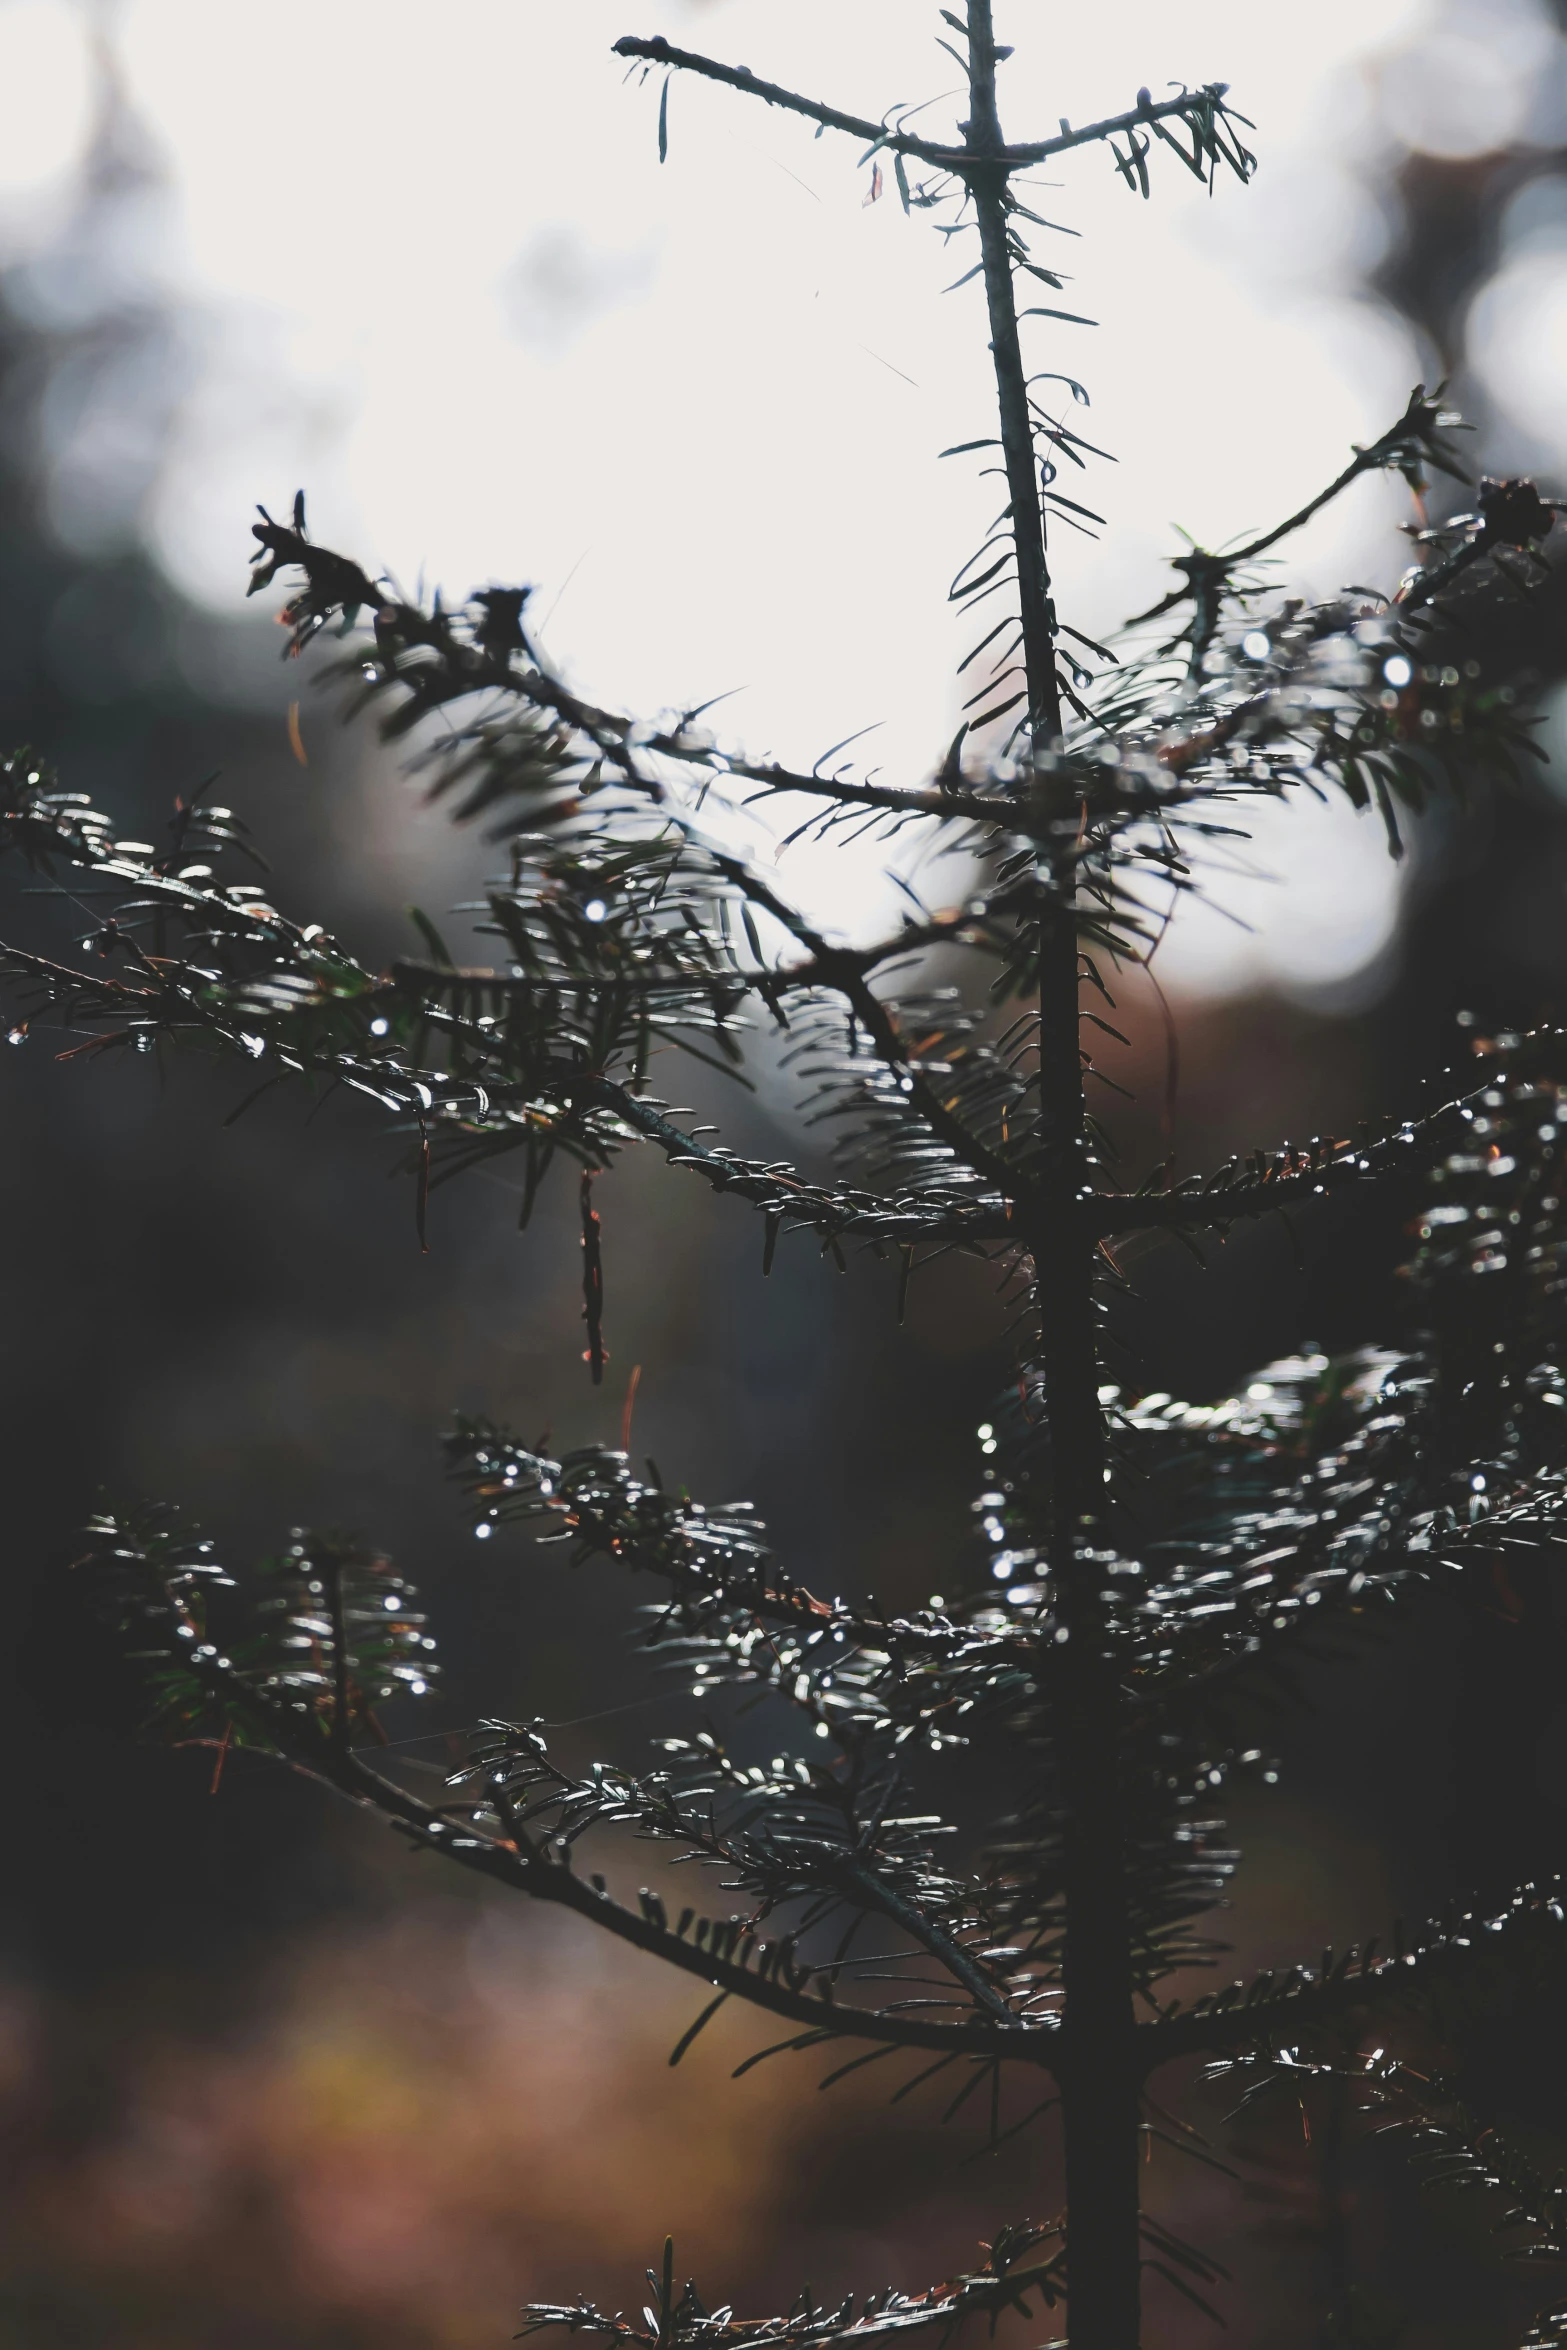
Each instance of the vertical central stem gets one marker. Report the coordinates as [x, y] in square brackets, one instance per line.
[1099, 2077]
[988, 187]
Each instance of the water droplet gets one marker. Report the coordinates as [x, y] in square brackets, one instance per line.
[379, 1027]
[482, 1533]
[1397, 670]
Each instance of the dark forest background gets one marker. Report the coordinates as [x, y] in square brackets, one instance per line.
[263, 2079]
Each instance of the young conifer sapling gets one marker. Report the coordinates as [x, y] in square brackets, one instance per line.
[1150, 1566]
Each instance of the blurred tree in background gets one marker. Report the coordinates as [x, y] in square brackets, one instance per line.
[226, 2092]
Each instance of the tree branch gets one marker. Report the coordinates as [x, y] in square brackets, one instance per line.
[528, 1871]
[848, 978]
[299, 1737]
[1272, 2009]
[859, 1216]
[1412, 438]
[1292, 1178]
[958, 160]
[941, 1946]
[861, 1220]
[1002, 2285]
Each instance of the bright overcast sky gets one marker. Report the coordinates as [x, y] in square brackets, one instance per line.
[429, 266]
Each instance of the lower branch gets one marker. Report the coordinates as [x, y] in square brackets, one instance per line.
[1294, 1177]
[1466, 1957]
[528, 1870]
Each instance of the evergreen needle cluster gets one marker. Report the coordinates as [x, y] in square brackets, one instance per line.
[1150, 1572]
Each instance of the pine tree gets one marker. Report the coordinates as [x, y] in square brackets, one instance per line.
[1152, 1571]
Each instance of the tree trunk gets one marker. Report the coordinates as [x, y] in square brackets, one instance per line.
[1099, 2080]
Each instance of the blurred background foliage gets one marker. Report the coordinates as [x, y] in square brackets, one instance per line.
[263, 2079]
